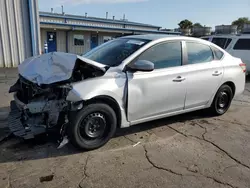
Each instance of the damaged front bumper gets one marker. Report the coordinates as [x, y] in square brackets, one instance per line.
[43, 97]
[18, 128]
[34, 118]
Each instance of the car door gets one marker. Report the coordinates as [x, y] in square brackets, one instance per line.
[160, 91]
[204, 74]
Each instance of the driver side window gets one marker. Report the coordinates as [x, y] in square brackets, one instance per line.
[164, 55]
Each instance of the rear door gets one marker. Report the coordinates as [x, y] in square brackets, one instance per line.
[203, 76]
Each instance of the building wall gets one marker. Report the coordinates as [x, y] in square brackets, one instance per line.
[226, 29]
[106, 34]
[60, 42]
[15, 31]
[87, 21]
[43, 38]
[78, 49]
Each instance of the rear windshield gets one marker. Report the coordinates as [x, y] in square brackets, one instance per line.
[221, 42]
[242, 44]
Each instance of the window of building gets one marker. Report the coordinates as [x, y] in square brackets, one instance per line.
[242, 44]
[198, 53]
[164, 55]
[79, 40]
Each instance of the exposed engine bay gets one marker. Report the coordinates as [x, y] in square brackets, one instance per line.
[38, 107]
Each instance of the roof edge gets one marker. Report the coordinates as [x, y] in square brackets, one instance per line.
[79, 17]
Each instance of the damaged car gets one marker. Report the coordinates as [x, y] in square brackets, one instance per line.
[123, 82]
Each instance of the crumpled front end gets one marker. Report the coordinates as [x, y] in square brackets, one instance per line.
[40, 94]
[35, 110]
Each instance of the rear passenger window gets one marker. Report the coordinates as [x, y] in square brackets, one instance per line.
[198, 53]
[217, 53]
[242, 44]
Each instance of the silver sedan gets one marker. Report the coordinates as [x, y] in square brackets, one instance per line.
[136, 79]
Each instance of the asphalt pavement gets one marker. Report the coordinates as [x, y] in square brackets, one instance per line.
[191, 150]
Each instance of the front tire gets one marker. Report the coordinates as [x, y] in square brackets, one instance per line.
[93, 126]
[222, 100]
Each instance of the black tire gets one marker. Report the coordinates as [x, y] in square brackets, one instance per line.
[98, 115]
[222, 100]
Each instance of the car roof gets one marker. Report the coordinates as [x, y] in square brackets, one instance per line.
[151, 36]
[154, 37]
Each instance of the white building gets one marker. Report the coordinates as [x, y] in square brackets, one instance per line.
[78, 34]
[24, 30]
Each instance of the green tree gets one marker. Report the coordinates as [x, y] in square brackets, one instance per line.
[185, 24]
[240, 22]
[197, 25]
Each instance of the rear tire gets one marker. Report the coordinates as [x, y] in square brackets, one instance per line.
[93, 126]
[222, 100]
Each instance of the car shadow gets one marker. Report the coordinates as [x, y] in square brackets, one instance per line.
[45, 146]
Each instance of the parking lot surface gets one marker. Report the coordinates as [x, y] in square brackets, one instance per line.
[191, 150]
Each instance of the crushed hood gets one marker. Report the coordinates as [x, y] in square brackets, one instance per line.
[52, 67]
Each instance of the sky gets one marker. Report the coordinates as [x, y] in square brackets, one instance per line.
[164, 13]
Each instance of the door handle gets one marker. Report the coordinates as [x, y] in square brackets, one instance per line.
[179, 79]
[217, 73]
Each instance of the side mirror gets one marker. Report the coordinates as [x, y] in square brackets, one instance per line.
[141, 65]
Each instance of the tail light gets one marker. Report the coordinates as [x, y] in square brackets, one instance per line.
[244, 67]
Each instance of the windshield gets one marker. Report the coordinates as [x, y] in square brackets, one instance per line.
[114, 52]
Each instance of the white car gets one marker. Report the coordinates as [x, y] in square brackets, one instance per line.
[236, 45]
[121, 83]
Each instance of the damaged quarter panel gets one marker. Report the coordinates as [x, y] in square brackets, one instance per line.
[112, 84]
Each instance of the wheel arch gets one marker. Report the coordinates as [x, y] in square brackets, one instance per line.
[109, 101]
[231, 85]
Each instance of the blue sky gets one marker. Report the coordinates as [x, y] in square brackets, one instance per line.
[164, 13]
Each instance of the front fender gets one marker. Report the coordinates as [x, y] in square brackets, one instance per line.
[108, 86]
[114, 87]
